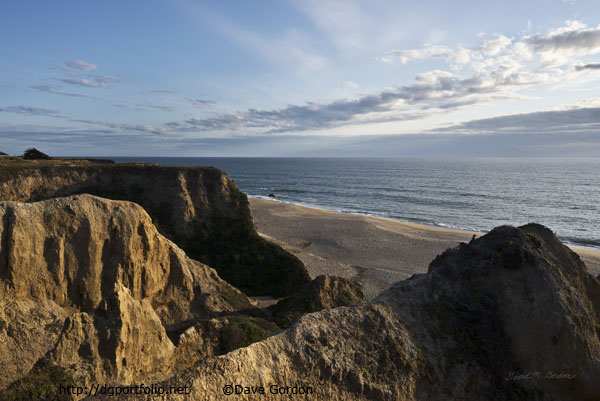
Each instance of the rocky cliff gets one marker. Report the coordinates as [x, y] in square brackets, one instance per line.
[89, 285]
[199, 208]
[324, 292]
[513, 315]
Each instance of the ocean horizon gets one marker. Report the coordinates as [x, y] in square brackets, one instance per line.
[470, 194]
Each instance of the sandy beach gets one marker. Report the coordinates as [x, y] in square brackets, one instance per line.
[372, 251]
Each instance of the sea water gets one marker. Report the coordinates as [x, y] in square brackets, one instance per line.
[468, 194]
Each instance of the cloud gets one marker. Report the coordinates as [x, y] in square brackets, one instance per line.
[572, 120]
[432, 92]
[590, 66]
[83, 82]
[164, 91]
[574, 39]
[200, 103]
[30, 111]
[429, 51]
[77, 68]
[156, 106]
[292, 49]
[142, 128]
[105, 79]
[551, 50]
[495, 46]
[55, 90]
[108, 141]
[349, 85]
[344, 21]
[79, 65]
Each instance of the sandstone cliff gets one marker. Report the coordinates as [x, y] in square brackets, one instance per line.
[89, 285]
[199, 208]
[513, 315]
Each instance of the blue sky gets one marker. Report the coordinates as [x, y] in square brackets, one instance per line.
[301, 78]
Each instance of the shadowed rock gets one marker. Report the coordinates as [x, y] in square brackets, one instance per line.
[513, 315]
[324, 292]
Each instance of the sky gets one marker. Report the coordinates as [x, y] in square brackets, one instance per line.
[300, 78]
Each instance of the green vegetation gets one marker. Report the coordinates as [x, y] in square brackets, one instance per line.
[34, 154]
[40, 384]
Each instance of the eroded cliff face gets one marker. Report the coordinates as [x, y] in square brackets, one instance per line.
[89, 285]
[513, 315]
[199, 208]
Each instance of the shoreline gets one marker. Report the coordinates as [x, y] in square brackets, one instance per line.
[573, 245]
[373, 251]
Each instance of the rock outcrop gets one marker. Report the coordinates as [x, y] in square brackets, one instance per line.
[513, 315]
[89, 285]
[199, 208]
[28, 329]
[122, 342]
[324, 292]
[73, 250]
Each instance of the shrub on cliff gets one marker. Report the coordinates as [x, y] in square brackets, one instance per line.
[34, 154]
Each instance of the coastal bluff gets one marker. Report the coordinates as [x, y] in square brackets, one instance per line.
[198, 208]
[512, 315]
[89, 285]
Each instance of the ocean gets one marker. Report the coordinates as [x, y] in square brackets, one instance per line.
[466, 194]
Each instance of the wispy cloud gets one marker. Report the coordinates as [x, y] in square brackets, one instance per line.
[56, 91]
[78, 65]
[156, 106]
[349, 85]
[124, 127]
[432, 92]
[572, 120]
[292, 48]
[589, 66]
[164, 91]
[83, 82]
[105, 79]
[30, 111]
[79, 75]
[200, 103]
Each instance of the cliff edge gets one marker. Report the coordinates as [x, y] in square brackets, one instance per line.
[199, 208]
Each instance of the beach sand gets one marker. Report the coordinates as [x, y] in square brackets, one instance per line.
[373, 252]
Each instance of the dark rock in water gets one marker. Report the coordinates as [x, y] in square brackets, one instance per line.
[271, 196]
[199, 208]
[324, 292]
[513, 315]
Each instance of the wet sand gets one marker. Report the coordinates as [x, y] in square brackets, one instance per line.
[372, 251]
